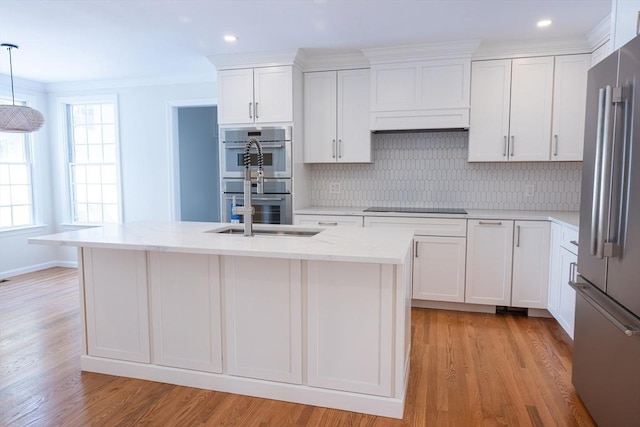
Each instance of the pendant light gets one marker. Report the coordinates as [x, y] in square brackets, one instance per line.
[18, 118]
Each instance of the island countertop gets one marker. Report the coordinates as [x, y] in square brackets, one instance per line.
[387, 246]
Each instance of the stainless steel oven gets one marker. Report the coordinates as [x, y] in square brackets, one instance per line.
[271, 207]
[276, 150]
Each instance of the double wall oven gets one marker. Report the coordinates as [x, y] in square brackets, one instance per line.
[274, 205]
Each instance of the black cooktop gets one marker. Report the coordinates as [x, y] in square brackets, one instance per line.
[456, 211]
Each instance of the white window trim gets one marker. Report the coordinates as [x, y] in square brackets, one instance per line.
[63, 137]
[37, 169]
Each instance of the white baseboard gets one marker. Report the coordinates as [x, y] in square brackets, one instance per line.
[37, 267]
[296, 393]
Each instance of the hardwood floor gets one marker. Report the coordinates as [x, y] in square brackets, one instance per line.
[467, 369]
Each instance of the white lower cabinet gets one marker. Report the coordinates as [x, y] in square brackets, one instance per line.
[117, 311]
[439, 268]
[329, 220]
[185, 306]
[263, 313]
[562, 297]
[508, 263]
[489, 262]
[350, 326]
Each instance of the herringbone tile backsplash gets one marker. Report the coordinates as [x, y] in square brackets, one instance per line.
[430, 169]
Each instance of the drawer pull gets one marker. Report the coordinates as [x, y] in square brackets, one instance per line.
[490, 222]
[574, 242]
[327, 223]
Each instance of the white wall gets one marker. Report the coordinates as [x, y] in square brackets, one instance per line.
[145, 156]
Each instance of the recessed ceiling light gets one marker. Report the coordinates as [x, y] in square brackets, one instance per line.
[544, 23]
[230, 38]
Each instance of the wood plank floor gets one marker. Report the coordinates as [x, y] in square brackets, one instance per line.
[467, 369]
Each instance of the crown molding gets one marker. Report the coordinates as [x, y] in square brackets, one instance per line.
[421, 52]
[600, 34]
[331, 59]
[522, 49]
[133, 82]
[254, 59]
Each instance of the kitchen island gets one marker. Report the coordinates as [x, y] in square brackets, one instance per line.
[318, 319]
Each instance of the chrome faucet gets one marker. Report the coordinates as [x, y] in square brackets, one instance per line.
[247, 210]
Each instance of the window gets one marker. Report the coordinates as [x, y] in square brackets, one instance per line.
[93, 162]
[16, 192]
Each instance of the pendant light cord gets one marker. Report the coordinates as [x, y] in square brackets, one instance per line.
[13, 97]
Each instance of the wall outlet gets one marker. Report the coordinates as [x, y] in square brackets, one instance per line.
[334, 188]
[529, 190]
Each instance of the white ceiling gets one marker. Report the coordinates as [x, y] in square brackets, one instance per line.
[74, 40]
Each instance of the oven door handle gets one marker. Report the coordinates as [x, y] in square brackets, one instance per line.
[241, 147]
[267, 199]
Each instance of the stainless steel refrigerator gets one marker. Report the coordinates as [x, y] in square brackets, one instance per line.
[606, 349]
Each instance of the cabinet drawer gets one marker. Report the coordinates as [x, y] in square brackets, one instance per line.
[569, 240]
[329, 220]
[449, 227]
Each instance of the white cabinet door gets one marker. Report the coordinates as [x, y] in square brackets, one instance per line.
[354, 137]
[320, 117]
[235, 95]
[602, 52]
[350, 321]
[569, 104]
[185, 301]
[567, 303]
[489, 262]
[555, 271]
[531, 103]
[260, 95]
[263, 318]
[439, 268]
[489, 121]
[625, 25]
[336, 116]
[117, 311]
[329, 220]
[394, 87]
[273, 94]
[530, 281]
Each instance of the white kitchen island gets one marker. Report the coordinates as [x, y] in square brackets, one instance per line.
[321, 320]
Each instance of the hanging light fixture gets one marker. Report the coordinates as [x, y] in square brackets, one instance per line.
[18, 118]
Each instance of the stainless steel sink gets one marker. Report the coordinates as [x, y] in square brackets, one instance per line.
[239, 230]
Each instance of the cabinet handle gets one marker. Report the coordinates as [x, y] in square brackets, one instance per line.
[490, 222]
[340, 148]
[513, 144]
[555, 149]
[250, 110]
[573, 242]
[416, 250]
[504, 149]
[327, 223]
[572, 272]
[256, 111]
[518, 236]
[333, 154]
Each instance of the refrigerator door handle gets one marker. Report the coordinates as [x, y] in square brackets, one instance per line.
[627, 323]
[596, 174]
[605, 176]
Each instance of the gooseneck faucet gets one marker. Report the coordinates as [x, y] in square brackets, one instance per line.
[247, 210]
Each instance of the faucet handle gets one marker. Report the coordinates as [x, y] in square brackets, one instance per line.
[260, 182]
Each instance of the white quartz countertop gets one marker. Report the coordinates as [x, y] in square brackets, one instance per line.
[570, 219]
[383, 246]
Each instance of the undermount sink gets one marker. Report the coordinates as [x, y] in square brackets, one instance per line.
[239, 230]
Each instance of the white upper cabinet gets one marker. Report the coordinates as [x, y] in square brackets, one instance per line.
[336, 115]
[625, 21]
[255, 95]
[420, 94]
[569, 106]
[528, 109]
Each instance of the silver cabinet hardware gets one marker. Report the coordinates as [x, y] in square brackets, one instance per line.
[555, 149]
[490, 222]
[251, 110]
[518, 236]
[573, 242]
[340, 148]
[332, 223]
[333, 154]
[416, 250]
[504, 148]
[513, 144]
[256, 112]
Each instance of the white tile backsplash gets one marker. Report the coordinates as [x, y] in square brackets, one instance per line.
[430, 169]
